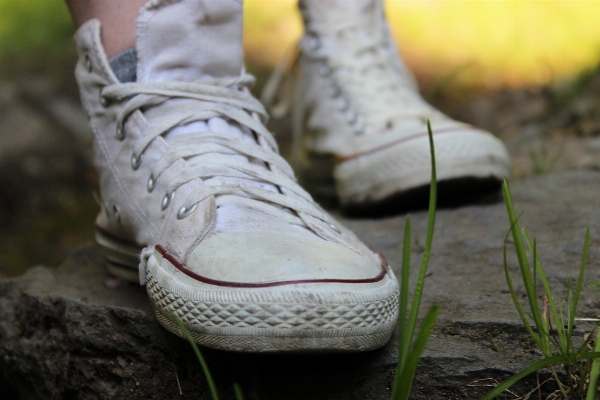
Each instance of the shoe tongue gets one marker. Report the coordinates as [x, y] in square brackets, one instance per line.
[187, 40]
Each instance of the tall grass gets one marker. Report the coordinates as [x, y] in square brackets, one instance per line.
[412, 343]
[550, 324]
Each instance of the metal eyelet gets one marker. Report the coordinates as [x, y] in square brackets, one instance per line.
[335, 92]
[87, 61]
[351, 117]
[117, 213]
[136, 161]
[332, 227]
[186, 211]
[120, 135]
[103, 100]
[167, 200]
[343, 105]
[314, 43]
[324, 70]
[151, 184]
[360, 129]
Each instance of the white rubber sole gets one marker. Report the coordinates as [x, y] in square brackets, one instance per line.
[314, 317]
[311, 317]
[374, 176]
[122, 257]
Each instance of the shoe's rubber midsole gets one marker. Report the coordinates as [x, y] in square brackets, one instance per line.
[373, 177]
[266, 344]
[122, 258]
[294, 318]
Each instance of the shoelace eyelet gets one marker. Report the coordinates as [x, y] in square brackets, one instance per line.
[351, 117]
[151, 184]
[120, 135]
[324, 70]
[117, 213]
[343, 105]
[167, 200]
[360, 129]
[314, 43]
[87, 60]
[136, 161]
[186, 211]
[332, 227]
[103, 100]
[335, 92]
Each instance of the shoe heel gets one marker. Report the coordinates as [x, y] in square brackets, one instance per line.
[122, 257]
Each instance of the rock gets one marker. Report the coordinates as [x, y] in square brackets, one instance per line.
[74, 332]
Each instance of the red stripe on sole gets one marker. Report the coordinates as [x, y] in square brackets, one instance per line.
[210, 281]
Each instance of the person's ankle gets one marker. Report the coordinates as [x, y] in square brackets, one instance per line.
[118, 19]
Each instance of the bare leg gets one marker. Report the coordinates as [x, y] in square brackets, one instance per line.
[116, 16]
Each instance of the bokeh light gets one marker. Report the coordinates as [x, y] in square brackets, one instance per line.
[494, 43]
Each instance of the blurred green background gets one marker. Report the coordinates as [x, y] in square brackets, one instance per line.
[35, 35]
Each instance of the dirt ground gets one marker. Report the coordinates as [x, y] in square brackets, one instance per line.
[47, 180]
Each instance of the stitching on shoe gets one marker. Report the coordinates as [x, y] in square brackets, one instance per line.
[99, 54]
[386, 146]
[162, 251]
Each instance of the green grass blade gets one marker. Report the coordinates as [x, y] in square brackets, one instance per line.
[408, 324]
[207, 375]
[570, 315]
[546, 362]
[404, 338]
[238, 392]
[521, 255]
[584, 254]
[558, 320]
[540, 320]
[581, 349]
[515, 298]
[592, 392]
[414, 311]
[544, 329]
[402, 390]
[530, 245]
[595, 286]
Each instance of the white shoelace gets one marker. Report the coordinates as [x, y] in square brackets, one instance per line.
[363, 72]
[214, 156]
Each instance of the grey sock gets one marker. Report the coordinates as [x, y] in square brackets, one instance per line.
[124, 65]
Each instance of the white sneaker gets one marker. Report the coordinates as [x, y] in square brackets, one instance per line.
[231, 244]
[362, 111]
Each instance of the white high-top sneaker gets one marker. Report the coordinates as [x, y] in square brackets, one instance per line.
[189, 176]
[364, 117]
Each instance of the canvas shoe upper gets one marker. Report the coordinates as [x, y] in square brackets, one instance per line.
[189, 175]
[361, 107]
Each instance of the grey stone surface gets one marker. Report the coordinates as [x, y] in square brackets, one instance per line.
[72, 332]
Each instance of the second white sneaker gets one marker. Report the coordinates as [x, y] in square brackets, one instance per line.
[364, 119]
